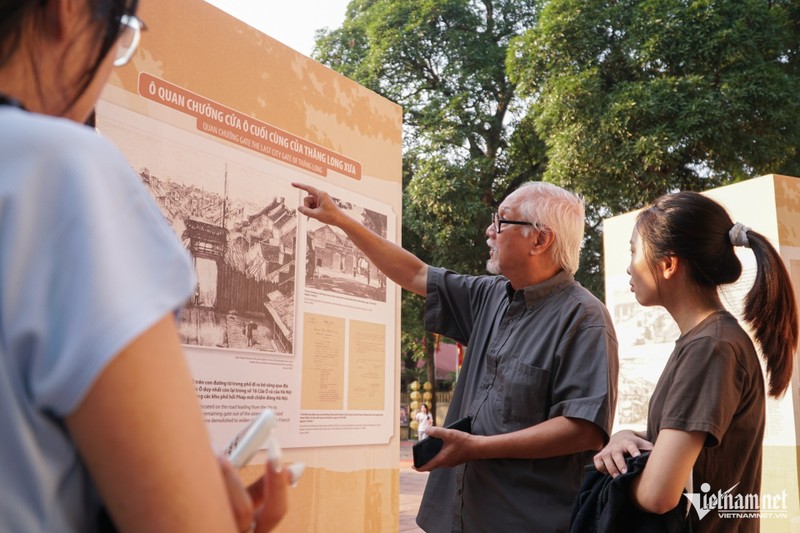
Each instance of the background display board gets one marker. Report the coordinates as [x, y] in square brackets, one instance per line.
[218, 120]
[770, 205]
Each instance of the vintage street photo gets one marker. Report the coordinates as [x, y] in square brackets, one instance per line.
[231, 212]
[334, 264]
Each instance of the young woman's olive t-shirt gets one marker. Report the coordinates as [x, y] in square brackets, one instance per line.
[713, 382]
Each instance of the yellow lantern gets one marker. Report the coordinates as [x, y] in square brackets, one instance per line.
[415, 395]
[414, 406]
[413, 425]
[414, 385]
[427, 396]
[427, 385]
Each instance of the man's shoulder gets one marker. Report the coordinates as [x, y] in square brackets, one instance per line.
[582, 294]
[590, 308]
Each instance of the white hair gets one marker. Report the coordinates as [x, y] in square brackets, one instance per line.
[559, 211]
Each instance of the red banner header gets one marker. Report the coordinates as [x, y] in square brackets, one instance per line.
[228, 124]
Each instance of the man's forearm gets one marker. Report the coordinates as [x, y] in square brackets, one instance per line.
[551, 438]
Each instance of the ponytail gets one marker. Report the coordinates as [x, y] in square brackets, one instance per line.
[771, 311]
[670, 227]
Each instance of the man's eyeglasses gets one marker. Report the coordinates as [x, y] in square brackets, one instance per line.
[130, 34]
[498, 222]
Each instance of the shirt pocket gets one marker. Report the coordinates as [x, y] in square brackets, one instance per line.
[524, 394]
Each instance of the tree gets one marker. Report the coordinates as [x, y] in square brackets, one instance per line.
[465, 144]
[636, 98]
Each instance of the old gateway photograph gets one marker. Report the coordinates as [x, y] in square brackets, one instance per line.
[334, 264]
[236, 215]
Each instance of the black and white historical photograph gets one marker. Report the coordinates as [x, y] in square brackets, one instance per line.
[238, 219]
[646, 336]
[335, 265]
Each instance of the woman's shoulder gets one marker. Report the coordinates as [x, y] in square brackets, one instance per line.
[42, 153]
[54, 140]
[720, 328]
[719, 338]
[45, 130]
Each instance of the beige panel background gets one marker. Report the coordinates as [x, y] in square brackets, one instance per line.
[199, 48]
[771, 205]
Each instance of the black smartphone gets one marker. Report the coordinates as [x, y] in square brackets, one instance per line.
[424, 450]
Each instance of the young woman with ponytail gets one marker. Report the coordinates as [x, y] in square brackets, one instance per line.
[707, 413]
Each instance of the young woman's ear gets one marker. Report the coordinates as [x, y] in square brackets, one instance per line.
[669, 266]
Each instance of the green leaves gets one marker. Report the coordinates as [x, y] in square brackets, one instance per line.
[444, 62]
[618, 100]
[637, 98]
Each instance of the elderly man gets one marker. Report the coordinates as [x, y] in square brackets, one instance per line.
[540, 376]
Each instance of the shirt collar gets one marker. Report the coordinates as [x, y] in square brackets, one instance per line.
[541, 291]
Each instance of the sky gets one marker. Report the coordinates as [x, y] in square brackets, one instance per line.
[292, 22]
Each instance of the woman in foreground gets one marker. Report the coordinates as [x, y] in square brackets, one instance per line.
[97, 406]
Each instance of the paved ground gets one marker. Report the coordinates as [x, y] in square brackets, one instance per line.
[412, 483]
